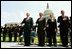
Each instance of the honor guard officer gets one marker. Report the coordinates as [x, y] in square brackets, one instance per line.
[15, 32]
[11, 32]
[4, 33]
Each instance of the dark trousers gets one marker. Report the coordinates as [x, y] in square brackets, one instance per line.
[20, 33]
[4, 36]
[41, 37]
[70, 36]
[32, 40]
[27, 37]
[51, 35]
[64, 36]
[15, 36]
[10, 37]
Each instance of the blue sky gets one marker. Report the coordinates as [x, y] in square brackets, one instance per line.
[15, 11]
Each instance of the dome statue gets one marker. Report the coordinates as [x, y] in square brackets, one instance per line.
[47, 13]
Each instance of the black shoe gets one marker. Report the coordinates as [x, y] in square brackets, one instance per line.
[26, 45]
[65, 45]
[55, 45]
[40, 45]
[14, 41]
[9, 41]
[49, 45]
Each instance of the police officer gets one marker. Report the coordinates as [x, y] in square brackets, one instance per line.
[64, 25]
[4, 33]
[70, 29]
[15, 32]
[28, 21]
[41, 30]
[10, 32]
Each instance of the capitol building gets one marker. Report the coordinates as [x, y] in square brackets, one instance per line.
[47, 13]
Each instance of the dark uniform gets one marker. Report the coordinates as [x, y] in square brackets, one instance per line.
[20, 32]
[27, 30]
[70, 29]
[4, 33]
[41, 31]
[10, 33]
[15, 33]
[51, 32]
[2, 29]
[64, 25]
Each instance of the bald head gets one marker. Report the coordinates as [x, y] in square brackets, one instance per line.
[27, 14]
[62, 12]
[40, 14]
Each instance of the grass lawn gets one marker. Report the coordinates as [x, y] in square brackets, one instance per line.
[35, 39]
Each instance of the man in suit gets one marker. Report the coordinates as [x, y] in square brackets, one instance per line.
[28, 24]
[51, 31]
[41, 29]
[64, 25]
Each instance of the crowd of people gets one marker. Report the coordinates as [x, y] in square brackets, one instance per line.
[11, 31]
[43, 27]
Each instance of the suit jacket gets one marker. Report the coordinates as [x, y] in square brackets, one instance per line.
[41, 24]
[64, 24]
[52, 25]
[28, 24]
